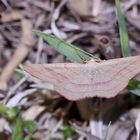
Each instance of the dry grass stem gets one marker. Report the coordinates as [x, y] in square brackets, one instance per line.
[8, 17]
[27, 42]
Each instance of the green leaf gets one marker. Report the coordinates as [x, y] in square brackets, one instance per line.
[68, 131]
[17, 129]
[27, 138]
[134, 87]
[9, 112]
[19, 74]
[12, 114]
[72, 52]
[3, 109]
[31, 126]
[123, 31]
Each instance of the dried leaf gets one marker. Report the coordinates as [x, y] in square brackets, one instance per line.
[82, 7]
[77, 81]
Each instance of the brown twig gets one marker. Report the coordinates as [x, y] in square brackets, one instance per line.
[8, 17]
[21, 52]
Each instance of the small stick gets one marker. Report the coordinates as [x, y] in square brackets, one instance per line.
[96, 9]
[21, 52]
[8, 17]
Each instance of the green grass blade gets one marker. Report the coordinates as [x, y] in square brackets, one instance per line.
[17, 129]
[107, 132]
[72, 52]
[123, 31]
[133, 85]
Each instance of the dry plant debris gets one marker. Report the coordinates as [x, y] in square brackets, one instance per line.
[26, 43]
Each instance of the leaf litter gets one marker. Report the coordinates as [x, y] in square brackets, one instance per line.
[89, 29]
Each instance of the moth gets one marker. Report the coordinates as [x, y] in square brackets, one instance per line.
[77, 81]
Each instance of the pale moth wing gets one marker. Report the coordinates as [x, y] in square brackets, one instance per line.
[78, 81]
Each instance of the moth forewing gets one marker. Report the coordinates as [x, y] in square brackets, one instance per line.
[77, 81]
